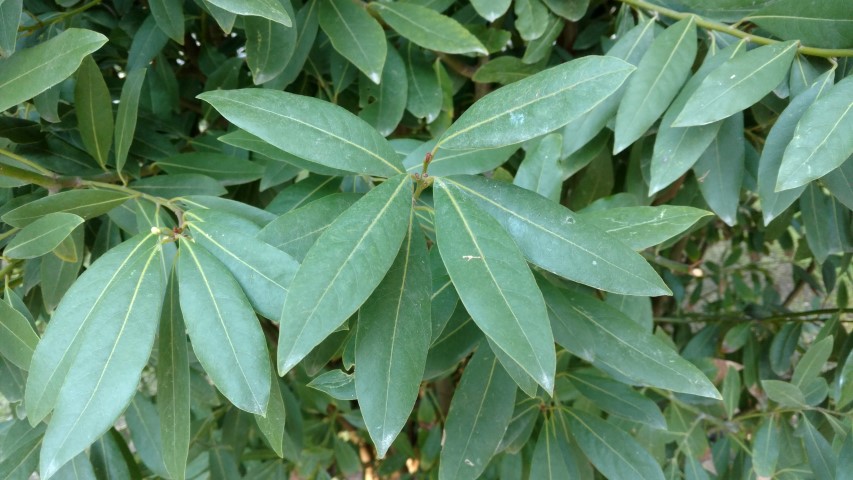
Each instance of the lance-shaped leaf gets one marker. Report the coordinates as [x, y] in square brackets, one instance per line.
[678, 148]
[102, 292]
[227, 169]
[94, 110]
[343, 268]
[720, 169]
[18, 340]
[480, 412]
[446, 162]
[309, 128]
[10, 18]
[128, 107]
[355, 35]
[85, 203]
[43, 235]
[659, 77]
[225, 334]
[826, 24]
[605, 337]
[491, 10]
[34, 70]
[424, 95]
[142, 419]
[269, 9]
[112, 310]
[613, 452]
[390, 96]
[392, 339]
[558, 240]
[822, 140]
[553, 457]
[819, 452]
[827, 223]
[618, 399]
[765, 448]
[737, 84]
[269, 45]
[169, 15]
[173, 382]
[247, 141]
[429, 29]
[263, 271]
[644, 227]
[494, 282]
[272, 424]
[773, 203]
[538, 104]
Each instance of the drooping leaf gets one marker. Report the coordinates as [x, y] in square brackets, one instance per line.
[819, 452]
[424, 95]
[355, 35]
[224, 331]
[324, 292]
[427, 28]
[531, 18]
[126, 116]
[337, 384]
[840, 183]
[173, 382]
[43, 235]
[613, 452]
[308, 128]
[480, 411]
[169, 15]
[228, 170]
[603, 336]
[391, 95]
[738, 83]
[457, 162]
[269, 45]
[720, 169]
[272, 424]
[766, 447]
[94, 110]
[540, 171]
[84, 203]
[307, 26]
[143, 421]
[179, 185]
[10, 18]
[112, 310]
[658, 78]
[245, 140]
[826, 222]
[538, 104]
[269, 9]
[35, 69]
[572, 10]
[494, 282]
[559, 241]
[820, 144]
[784, 393]
[553, 457]
[491, 10]
[147, 43]
[618, 399]
[18, 340]
[392, 340]
[644, 227]
[827, 24]
[232, 207]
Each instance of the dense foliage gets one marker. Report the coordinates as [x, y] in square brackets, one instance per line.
[426, 239]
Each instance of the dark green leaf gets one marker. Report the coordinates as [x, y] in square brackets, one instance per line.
[539, 172]
[390, 96]
[826, 221]
[784, 393]
[765, 450]
[358, 245]
[531, 18]
[457, 162]
[618, 399]
[824, 23]
[126, 116]
[18, 339]
[269, 9]
[720, 169]
[144, 424]
[491, 10]
[10, 17]
[337, 384]
[820, 455]
[272, 424]
[85, 203]
[228, 170]
[644, 227]
[424, 96]
[94, 110]
[355, 35]
[169, 15]
[269, 45]
[179, 185]
[43, 235]
[428, 28]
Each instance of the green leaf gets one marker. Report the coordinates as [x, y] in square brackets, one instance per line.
[605, 337]
[494, 282]
[541, 48]
[424, 98]
[247, 141]
[126, 116]
[312, 188]
[538, 104]
[538, 172]
[457, 162]
[765, 448]
[826, 24]
[390, 96]
[819, 452]
[307, 26]
[618, 399]
[269, 45]
[272, 424]
[337, 384]
[844, 468]
[263, 271]
[10, 17]
[147, 43]
[840, 183]
[444, 298]
[169, 15]
[659, 76]
[553, 457]
[225, 333]
[42, 236]
[427, 28]
[720, 169]
[844, 387]
[480, 412]
[355, 35]
[35, 69]
[613, 452]
[826, 222]
[678, 148]
[491, 10]
[58, 275]
[505, 70]
[112, 310]
[737, 84]
[392, 340]
[644, 227]
[731, 391]
[173, 382]
[559, 241]
[269, 9]
[179, 185]
[455, 342]
[308, 128]
[94, 110]
[358, 245]
[296, 231]
[143, 421]
[773, 203]
[18, 340]
[820, 144]
[531, 18]
[784, 393]
[79, 468]
[85, 203]
[812, 362]
[227, 169]
[572, 10]
[232, 207]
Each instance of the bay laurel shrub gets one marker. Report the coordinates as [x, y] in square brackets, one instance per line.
[275, 239]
